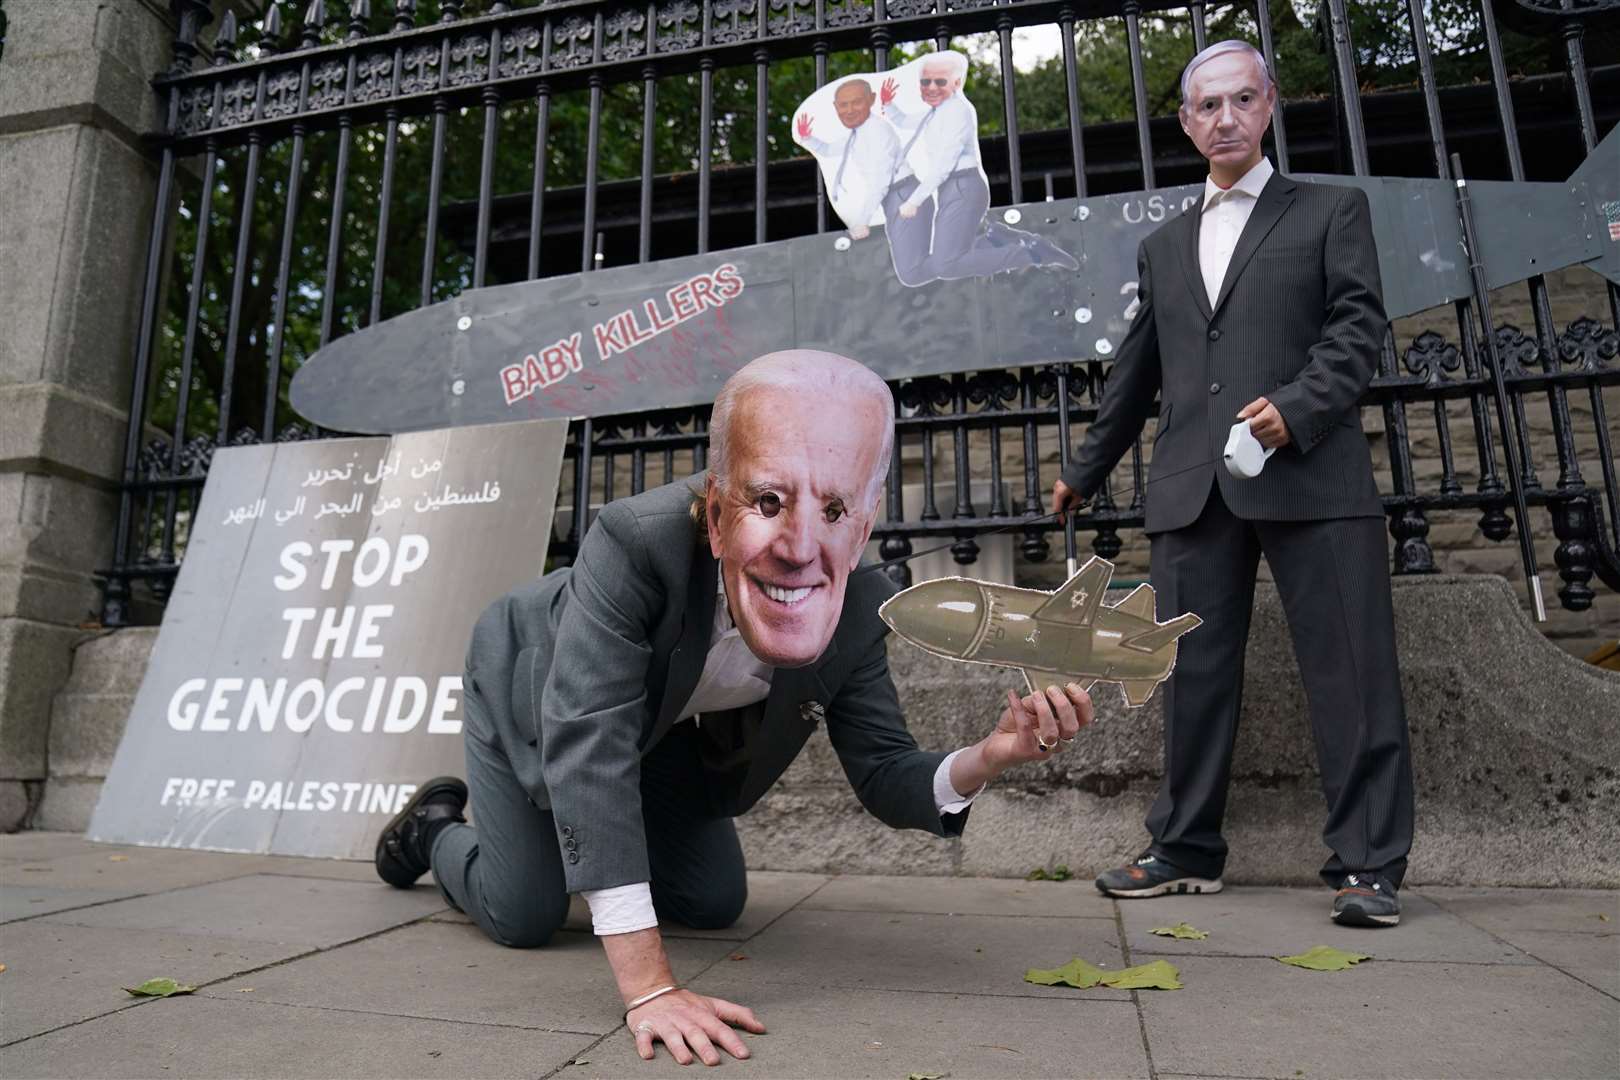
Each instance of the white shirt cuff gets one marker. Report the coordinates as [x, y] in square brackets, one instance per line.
[946, 797]
[624, 909]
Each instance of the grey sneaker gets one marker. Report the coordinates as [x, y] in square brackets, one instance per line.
[1366, 900]
[1150, 875]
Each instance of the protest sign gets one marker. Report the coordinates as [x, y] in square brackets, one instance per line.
[307, 675]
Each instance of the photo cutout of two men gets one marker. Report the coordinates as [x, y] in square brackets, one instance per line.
[901, 150]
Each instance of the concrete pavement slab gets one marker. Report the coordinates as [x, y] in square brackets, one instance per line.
[28, 901]
[1592, 958]
[336, 869]
[191, 1036]
[33, 846]
[1500, 910]
[58, 974]
[452, 972]
[819, 1033]
[770, 893]
[963, 896]
[309, 912]
[1259, 1018]
[961, 954]
[141, 870]
[1263, 921]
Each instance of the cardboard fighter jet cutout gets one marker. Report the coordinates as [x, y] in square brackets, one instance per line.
[1068, 635]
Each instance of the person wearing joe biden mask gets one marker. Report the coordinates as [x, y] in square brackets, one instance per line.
[620, 713]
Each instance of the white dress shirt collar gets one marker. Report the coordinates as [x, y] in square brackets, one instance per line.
[1250, 183]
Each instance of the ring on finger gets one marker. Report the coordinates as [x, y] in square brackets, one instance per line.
[645, 1025]
[1041, 743]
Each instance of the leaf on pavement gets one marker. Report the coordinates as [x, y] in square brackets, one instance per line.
[1037, 874]
[925, 1076]
[1159, 975]
[1180, 930]
[118, 858]
[158, 988]
[2, 967]
[1324, 958]
[1076, 973]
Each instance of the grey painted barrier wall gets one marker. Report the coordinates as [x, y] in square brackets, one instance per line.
[1514, 743]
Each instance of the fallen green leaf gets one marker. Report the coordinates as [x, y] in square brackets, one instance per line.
[925, 1076]
[1180, 930]
[1061, 872]
[159, 988]
[1037, 874]
[1159, 975]
[1324, 958]
[1076, 973]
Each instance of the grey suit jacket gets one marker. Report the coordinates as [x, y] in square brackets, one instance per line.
[1299, 320]
[581, 673]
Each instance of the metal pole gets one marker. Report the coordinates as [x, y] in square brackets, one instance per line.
[1482, 302]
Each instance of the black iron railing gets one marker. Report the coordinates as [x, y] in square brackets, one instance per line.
[272, 256]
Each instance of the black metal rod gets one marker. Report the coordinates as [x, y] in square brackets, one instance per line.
[334, 238]
[114, 609]
[1071, 83]
[486, 167]
[1504, 93]
[1350, 88]
[1574, 30]
[1200, 30]
[1569, 470]
[1144, 138]
[1009, 109]
[1431, 95]
[385, 196]
[962, 468]
[289, 227]
[241, 270]
[762, 125]
[430, 238]
[537, 190]
[705, 147]
[582, 486]
[188, 350]
[1482, 301]
[593, 161]
[1070, 546]
[1279, 128]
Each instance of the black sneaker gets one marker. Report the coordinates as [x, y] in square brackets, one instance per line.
[1150, 875]
[403, 846]
[1366, 900]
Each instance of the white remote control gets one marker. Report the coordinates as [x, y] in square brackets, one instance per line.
[1245, 457]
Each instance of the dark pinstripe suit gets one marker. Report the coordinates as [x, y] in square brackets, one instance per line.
[1299, 320]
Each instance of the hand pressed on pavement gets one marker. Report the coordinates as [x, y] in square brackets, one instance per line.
[691, 1025]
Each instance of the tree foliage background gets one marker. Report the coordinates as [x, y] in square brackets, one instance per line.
[1384, 61]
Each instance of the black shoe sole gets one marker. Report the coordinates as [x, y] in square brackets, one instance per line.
[1357, 917]
[1176, 886]
[392, 869]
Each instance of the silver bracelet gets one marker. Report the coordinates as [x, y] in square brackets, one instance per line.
[644, 998]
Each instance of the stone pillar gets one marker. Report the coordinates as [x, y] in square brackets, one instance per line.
[76, 191]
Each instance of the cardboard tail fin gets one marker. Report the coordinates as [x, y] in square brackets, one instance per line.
[1163, 634]
[1077, 601]
[1137, 691]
